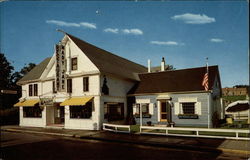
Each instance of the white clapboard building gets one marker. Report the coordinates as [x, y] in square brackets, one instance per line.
[82, 86]
[79, 87]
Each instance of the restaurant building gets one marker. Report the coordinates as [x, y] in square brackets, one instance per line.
[79, 87]
[82, 86]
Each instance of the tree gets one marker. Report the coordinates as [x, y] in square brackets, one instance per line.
[8, 81]
[27, 68]
[18, 75]
[5, 73]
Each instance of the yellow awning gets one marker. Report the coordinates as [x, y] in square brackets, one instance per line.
[18, 104]
[76, 101]
[27, 103]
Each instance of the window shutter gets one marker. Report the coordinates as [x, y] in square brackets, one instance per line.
[134, 109]
[198, 108]
[176, 108]
[151, 108]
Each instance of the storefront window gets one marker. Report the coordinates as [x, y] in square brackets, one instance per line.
[32, 112]
[114, 111]
[81, 111]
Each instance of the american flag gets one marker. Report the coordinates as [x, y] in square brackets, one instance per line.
[205, 81]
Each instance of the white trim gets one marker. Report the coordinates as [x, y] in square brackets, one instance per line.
[187, 99]
[142, 100]
[151, 108]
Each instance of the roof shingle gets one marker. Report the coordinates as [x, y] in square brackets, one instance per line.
[109, 63]
[36, 72]
[174, 81]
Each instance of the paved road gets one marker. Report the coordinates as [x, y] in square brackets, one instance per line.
[34, 146]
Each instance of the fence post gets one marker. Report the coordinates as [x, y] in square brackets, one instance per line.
[197, 132]
[237, 134]
[166, 131]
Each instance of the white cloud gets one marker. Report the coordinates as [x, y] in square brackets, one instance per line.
[112, 30]
[190, 18]
[132, 31]
[68, 24]
[62, 23]
[166, 43]
[88, 25]
[216, 40]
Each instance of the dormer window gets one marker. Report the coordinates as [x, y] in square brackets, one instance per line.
[73, 63]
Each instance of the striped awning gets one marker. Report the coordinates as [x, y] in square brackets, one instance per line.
[27, 103]
[76, 101]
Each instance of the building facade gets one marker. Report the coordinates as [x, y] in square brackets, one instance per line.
[82, 86]
[178, 97]
[79, 87]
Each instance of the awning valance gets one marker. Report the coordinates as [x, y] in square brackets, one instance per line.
[76, 101]
[27, 103]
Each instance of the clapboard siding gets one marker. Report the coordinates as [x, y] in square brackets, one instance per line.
[201, 121]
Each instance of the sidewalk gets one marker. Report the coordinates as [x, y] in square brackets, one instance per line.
[201, 144]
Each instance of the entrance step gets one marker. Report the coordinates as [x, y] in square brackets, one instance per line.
[55, 126]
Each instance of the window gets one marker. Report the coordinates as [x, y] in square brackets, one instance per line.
[54, 87]
[145, 108]
[32, 112]
[188, 108]
[73, 63]
[114, 111]
[35, 90]
[85, 84]
[30, 90]
[69, 85]
[81, 111]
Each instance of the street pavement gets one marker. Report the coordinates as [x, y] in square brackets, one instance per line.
[17, 145]
[240, 147]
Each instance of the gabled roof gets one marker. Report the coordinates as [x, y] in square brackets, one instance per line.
[36, 72]
[175, 81]
[109, 63]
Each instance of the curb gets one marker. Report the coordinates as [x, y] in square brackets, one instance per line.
[37, 132]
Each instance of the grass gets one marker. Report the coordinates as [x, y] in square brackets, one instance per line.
[135, 128]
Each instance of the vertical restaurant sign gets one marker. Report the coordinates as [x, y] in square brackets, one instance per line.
[60, 67]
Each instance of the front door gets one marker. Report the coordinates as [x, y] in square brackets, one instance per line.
[165, 111]
[59, 114]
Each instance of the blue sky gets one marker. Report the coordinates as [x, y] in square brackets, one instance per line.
[185, 33]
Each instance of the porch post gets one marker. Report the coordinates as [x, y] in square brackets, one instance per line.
[208, 112]
[140, 115]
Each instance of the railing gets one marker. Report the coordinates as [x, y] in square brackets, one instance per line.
[116, 128]
[197, 132]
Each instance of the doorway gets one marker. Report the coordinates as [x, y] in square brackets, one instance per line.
[59, 114]
[165, 112]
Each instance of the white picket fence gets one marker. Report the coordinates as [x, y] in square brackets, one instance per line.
[197, 132]
[116, 128]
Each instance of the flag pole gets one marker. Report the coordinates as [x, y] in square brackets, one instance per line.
[208, 97]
